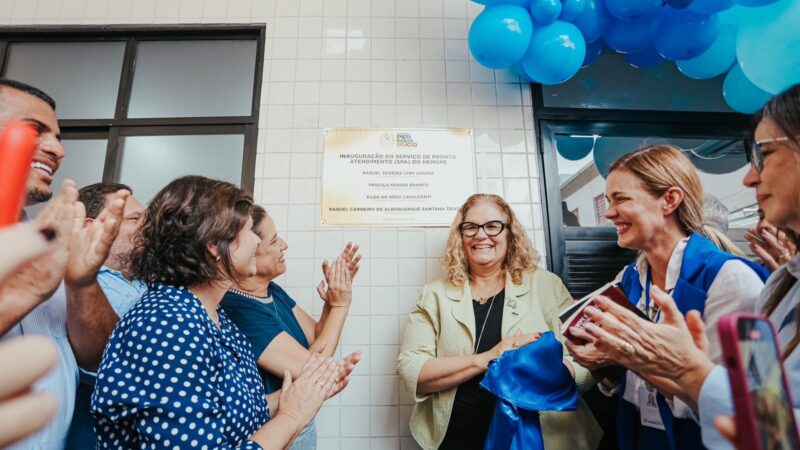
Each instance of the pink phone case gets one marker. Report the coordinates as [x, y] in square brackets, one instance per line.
[746, 426]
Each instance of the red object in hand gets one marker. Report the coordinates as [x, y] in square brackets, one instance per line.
[18, 142]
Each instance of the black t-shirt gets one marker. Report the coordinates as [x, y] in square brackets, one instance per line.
[473, 406]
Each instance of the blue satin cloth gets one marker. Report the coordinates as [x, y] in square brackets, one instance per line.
[525, 381]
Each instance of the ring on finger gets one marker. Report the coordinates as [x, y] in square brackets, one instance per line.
[627, 348]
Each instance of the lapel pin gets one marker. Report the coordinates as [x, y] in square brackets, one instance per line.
[512, 303]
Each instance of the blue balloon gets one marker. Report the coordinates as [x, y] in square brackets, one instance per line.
[768, 46]
[574, 149]
[754, 3]
[571, 9]
[633, 9]
[593, 51]
[605, 155]
[593, 21]
[644, 59]
[734, 15]
[545, 11]
[710, 6]
[523, 3]
[630, 37]
[716, 60]
[741, 94]
[500, 35]
[556, 53]
[684, 34]
[522, 74]
[680, 4]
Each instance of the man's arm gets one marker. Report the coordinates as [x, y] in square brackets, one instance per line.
[90, 321]
[90, 317]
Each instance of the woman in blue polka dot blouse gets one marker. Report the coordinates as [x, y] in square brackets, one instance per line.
[176, 373]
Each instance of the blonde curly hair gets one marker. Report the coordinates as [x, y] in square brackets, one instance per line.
[520, 258]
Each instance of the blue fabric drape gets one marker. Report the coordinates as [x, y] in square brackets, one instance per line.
[525, 381]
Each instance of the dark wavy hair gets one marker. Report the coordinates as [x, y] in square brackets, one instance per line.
[179, 224]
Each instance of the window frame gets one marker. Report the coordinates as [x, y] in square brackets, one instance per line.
[120, 125]
[549, 121]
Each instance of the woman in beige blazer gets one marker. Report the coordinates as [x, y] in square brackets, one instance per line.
[493, 299]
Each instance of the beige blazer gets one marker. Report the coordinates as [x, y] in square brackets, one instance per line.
[443, 324]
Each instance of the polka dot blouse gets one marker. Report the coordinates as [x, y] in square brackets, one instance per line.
[171, 379]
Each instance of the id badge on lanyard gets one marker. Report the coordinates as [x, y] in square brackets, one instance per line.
[648, 406]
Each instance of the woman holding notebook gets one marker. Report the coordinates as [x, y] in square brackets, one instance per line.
[656, 203]
[493, 299]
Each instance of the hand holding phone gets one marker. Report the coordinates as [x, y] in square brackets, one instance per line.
[18, 142]
[762, 400]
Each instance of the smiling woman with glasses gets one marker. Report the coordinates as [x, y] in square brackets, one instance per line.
[493, 299]
[491, 228]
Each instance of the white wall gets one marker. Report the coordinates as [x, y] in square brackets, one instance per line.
[355, 63]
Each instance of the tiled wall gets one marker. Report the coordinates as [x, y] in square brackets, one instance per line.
[355, 63]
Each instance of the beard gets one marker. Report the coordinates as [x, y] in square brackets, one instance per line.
[39, 196]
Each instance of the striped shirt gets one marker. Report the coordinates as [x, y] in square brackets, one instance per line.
[50, 319]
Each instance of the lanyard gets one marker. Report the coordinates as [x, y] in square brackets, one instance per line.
[656, 314]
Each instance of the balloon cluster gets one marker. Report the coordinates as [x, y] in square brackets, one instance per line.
[756, 43]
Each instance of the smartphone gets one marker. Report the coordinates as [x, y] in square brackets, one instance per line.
[761, 397]
[18, 142]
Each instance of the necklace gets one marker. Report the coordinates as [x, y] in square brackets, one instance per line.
[483, 327]
[482, 300]
[265, 300]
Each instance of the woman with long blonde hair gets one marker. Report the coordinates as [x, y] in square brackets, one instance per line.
[493, 299]
[656, 203]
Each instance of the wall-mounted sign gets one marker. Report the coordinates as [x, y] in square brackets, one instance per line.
[396, 176]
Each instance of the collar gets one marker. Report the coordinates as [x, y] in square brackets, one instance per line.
[118, 274]
[673, 266]
[106, 269]
[459, 293]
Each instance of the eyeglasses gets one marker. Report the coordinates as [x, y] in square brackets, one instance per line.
[491, 228]
[757, 152]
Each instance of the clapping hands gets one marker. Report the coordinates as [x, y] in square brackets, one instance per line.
[339, 277]
[345, 368]
[89, 245]
[75, 253]
[771, 245]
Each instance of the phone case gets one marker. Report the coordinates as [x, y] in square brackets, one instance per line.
[745, 418]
